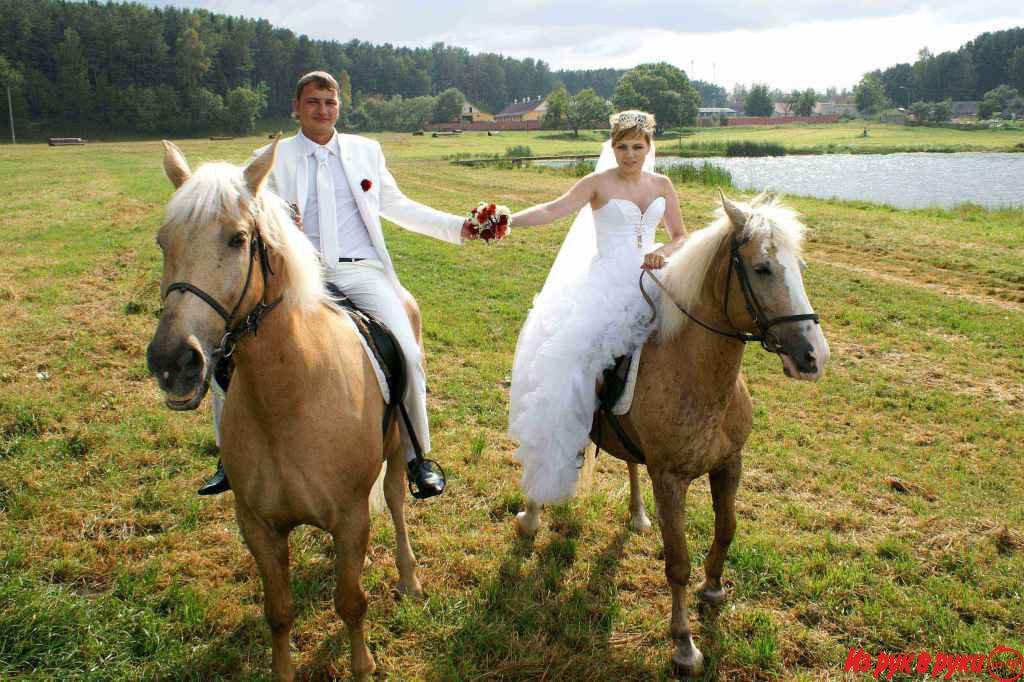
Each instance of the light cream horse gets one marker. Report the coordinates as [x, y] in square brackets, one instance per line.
[301, 434]
[691, 412]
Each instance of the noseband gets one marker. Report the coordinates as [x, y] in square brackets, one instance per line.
[251, 322]
[754, 308]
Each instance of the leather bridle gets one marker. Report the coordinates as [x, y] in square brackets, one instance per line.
[251, 322]
[754, 307]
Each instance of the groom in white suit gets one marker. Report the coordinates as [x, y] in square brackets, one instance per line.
[341, 188]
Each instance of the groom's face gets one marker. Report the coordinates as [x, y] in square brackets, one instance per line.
[317, 110]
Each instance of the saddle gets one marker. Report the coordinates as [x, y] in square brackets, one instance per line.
[384, 346]
[609, 391]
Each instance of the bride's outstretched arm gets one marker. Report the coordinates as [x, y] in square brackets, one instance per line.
[567, 204]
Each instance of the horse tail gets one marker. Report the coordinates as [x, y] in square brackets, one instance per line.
[377, 501]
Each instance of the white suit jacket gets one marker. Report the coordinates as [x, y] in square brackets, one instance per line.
[363, 159]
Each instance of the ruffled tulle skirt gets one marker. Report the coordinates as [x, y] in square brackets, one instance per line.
[570, 336]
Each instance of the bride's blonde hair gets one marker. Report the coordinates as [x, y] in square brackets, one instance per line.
[631, 122]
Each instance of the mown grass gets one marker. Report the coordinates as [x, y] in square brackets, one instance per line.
[111, 568]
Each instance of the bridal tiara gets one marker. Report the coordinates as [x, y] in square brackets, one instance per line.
[632, 119]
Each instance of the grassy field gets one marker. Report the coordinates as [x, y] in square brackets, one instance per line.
[849, 138]
[111, 568]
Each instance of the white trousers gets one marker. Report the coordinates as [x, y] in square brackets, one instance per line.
[369, 288]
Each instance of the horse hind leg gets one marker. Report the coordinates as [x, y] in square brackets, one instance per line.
[724, 483]
[394, 493]
[670, 495]
[350, 539]
[269, 548]
[638, 520]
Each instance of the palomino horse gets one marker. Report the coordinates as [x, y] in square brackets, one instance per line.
[735, 281]
[301, 436]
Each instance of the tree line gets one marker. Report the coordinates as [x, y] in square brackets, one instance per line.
[135, 68]
[985, 68]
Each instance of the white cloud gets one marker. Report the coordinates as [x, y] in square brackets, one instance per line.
[787, 44]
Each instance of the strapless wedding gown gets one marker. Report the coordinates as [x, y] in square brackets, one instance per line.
[569, 339]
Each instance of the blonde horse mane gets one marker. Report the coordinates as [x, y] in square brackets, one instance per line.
[767, 218]
[218, 190]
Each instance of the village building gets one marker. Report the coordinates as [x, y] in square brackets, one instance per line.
[527, 109]
[471, 113]
[713, 113]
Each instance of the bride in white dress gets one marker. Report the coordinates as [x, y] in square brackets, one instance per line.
[590, 310]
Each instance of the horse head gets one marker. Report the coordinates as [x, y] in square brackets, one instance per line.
[764, 296]
[212, 242]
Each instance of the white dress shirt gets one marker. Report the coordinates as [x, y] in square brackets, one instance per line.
[353, 237]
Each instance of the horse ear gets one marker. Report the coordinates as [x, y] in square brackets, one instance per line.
[175, 165]
[764, 199]
[259, 168]
[735, 213]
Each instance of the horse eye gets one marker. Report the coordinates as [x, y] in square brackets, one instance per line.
[763, 269]
[238, 240]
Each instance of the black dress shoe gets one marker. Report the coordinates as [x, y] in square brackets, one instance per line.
[426, 478]
[217, 483]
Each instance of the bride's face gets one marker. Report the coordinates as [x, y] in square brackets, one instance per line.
[631, 151]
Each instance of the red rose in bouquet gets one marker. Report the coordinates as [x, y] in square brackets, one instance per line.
[490, 222]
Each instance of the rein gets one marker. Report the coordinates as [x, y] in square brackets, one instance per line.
[754, 308]
[251, 322]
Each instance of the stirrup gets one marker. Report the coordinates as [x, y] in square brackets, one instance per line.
[432, 467]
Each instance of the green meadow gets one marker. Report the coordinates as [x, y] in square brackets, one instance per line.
[881, 508]
[848, 138]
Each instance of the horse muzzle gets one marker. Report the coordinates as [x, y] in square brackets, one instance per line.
[181, 370]
[804, 352]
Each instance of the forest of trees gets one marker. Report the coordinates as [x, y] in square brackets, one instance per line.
[132, 68]
[79, 67]
[988, 61]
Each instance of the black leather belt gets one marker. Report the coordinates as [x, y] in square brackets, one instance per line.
[350, 260]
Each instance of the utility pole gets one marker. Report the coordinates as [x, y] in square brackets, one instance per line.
[10, 112]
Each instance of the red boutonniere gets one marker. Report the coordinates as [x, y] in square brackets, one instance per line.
[366, 185]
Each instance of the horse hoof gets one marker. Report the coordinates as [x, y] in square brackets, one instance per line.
[712, 596]
[526, 527]
[412, 590]
[640, 523]
[690, 666]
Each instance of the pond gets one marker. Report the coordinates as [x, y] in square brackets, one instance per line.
[918, 180]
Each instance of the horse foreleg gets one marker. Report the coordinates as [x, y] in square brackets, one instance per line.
[350, 540]
[528, 520]
[394, 493]
[724, 483]
[670, 496]
[638, 520]
[270, 549]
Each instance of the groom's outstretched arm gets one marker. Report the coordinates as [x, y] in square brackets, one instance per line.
[413, 215]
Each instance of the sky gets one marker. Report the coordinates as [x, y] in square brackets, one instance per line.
[788, 44]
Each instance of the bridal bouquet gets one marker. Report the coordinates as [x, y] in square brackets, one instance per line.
[490, 221]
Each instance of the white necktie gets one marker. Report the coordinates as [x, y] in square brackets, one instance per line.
[325, 204]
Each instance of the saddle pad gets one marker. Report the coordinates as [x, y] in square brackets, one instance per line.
[625, 401]
[378, 372]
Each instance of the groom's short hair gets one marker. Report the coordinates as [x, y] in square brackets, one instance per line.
[322, 79]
